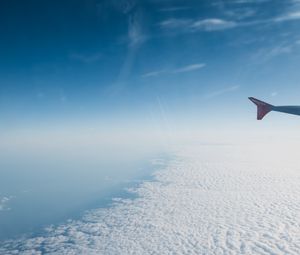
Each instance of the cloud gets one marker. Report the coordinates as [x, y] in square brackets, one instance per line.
[136, 33]
[240, 14]
[208, 199]
[184, 69]
[213, 24]
[236, 16]
[181, 25]
[250, 1]
[153, 74]
[274, 94]
[222, 91]
[268, 53]
[189, 68]
[189, 25]
[132, 10]
[280, 49]
[288, 17]
[4, 203]
[174, 9]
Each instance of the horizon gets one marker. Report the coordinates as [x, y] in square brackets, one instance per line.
[126, 120]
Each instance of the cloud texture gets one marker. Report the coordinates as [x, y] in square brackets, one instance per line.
[220, 199]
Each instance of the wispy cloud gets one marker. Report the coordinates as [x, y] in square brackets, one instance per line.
[184, 69]
[274, 94]
[136, 34]
[189, 68]
[153, 74]
[213, 24]
[236, 17]
[269, 52]
[3, 203]
[222, 91]
[249, 1]
[288, 16]
[292, 12]
[135, 21]
[174, 9]
[280, 49]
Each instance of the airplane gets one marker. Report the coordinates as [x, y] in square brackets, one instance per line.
[264, 108]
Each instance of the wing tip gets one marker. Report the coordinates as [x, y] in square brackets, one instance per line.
[263, 108]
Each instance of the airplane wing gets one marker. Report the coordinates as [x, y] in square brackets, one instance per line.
[263, 108]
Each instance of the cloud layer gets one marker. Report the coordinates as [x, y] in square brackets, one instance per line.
[220, 199]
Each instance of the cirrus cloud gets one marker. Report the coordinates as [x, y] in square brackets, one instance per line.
[184, 69]
[213, 24]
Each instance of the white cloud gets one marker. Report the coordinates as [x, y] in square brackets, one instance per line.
[226, 199]
[288, 16]
[250, 1]
[4, 203]
[136, 33]
[274, 94]
[174, 9]
[184, 69]
[222, 91]
[280, 49]
[153, 74]
[189, 68]
[238, 14]
[268, 53]
[213, 24]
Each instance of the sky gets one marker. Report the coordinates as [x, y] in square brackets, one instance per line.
[128, 68]
[90, 90]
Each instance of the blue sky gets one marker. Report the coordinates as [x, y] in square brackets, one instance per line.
[90, 90]
[128, 64]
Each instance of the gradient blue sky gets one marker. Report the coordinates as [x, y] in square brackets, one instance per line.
[129, 64]
[90, 90]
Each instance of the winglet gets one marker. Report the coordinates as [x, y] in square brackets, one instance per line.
[262, 107]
